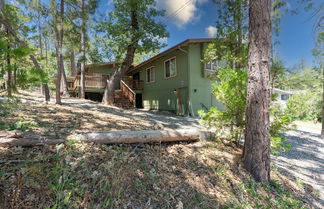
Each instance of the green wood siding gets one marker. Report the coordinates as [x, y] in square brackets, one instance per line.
[195, 95]
[200, 92]
[160, 93]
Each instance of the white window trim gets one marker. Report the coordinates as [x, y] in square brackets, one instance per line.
[153, 75]
[175, 61]
[210, 70]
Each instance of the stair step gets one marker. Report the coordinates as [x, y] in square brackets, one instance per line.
[121, 101]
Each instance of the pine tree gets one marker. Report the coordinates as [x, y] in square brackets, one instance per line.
[256, 155]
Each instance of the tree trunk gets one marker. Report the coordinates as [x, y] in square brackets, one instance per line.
[108, 97]
[9, 75]
[40, 41]
[14, 79]
[322, 132]
[46, 92]
[64, 84]
[1, 4]
[72, 61]
[238, 24]
[257, 138]
[82, 78]
[59, 56]
[58, 76]
[23, 44]
[46, 52]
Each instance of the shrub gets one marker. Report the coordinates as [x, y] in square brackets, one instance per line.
[230, 90]
[229, 122]
[280, 122]
[305, 106]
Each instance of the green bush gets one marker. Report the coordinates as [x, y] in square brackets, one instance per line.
[305, 106]
[280, 122]
[231, 90]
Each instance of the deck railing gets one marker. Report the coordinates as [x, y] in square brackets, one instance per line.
[100, 82]
[133, 84]
[97, 82]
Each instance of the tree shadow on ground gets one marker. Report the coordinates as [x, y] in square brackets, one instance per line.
[305, 160]
[58, 122]
[192, 175]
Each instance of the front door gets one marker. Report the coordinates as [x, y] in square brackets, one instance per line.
[138, 101]
[136, 76]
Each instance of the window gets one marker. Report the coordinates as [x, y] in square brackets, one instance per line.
[284, 97]
[170, 68]
[150, 75]
[212, 65]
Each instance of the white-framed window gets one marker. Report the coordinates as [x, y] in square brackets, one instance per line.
[150, 74]
[170, 68]
[212, 65]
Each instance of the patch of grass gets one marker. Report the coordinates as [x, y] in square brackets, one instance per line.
[64, 185]
[6, 110]
[299, 182]
[198, 200]
[220, 169]
[22, 124]
[7, 107]
[257, 195]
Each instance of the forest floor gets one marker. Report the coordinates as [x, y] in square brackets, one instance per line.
[205, 174]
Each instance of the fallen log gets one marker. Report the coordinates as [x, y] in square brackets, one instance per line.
[27, 142]
[11, 134]
[145, 136]
[116, 137]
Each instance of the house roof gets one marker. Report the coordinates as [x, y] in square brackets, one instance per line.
[184, 43]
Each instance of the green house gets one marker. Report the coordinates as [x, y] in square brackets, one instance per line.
[177, 80]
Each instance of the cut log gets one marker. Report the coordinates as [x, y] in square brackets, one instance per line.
[11, 134]
[116, 137]
[27, 142]
[145, 136]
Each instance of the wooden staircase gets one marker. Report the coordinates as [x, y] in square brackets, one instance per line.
[122, 101]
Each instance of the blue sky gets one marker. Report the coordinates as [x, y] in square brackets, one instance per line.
[296, 37]
[196, 19]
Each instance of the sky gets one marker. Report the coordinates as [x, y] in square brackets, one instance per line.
[196, 19]
[187, 19]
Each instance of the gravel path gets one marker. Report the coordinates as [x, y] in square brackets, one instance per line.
[305, 160]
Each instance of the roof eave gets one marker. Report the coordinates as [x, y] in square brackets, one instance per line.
[184, 43]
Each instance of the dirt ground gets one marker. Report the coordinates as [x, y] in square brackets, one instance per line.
[204, 174]
[77, 116]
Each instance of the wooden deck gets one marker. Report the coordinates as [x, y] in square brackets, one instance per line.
[100, 82]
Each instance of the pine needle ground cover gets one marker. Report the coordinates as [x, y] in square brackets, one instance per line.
[168, 175]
